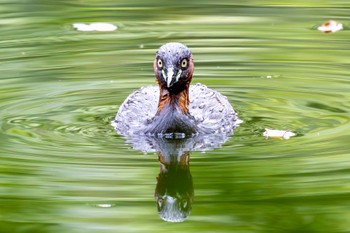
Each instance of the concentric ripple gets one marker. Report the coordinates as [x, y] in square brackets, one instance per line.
[72, 123]
[65, 169]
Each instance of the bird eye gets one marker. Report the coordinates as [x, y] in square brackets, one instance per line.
[184, 63]
[160, 63]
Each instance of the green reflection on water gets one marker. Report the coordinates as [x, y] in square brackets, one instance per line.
[62, 162]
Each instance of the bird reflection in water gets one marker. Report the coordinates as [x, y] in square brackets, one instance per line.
[174, 190]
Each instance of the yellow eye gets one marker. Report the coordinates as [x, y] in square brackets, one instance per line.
[160, 63]
[184, 63]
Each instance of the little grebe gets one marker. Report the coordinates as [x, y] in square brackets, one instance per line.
[175, 107]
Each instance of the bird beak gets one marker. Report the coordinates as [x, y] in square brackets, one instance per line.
[170, 77]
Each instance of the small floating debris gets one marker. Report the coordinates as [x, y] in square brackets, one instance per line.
[238, 122]
[99, 27]
[271, 76]
[273, 133]
[330, 26]
[104, 205]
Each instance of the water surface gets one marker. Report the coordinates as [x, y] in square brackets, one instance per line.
[64, 168]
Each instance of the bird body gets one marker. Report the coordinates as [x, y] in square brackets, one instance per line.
[209, 112]
[175, 108]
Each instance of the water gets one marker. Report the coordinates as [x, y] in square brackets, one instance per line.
[64, 168]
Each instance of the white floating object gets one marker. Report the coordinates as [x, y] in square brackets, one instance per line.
[99, 27]
[104, 205]
[273, 133]
[238, 122]
[330, 26]
[103, 27]
[83, 27]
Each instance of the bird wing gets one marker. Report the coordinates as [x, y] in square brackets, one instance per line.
[137, 110]
[211, 110]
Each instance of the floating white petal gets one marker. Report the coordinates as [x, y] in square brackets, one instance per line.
[82, 27]
[330, 26]
[273, 133]
[238, 122]
[103, 27]
[104, 205]
[100, 27]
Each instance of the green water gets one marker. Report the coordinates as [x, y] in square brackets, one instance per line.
[64, 169]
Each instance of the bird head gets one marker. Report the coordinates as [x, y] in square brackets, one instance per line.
[173, 67]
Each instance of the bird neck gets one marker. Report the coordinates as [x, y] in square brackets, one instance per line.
[179, 100]
[173, 115]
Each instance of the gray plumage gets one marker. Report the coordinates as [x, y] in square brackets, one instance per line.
[211, 111]
[175, 109]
